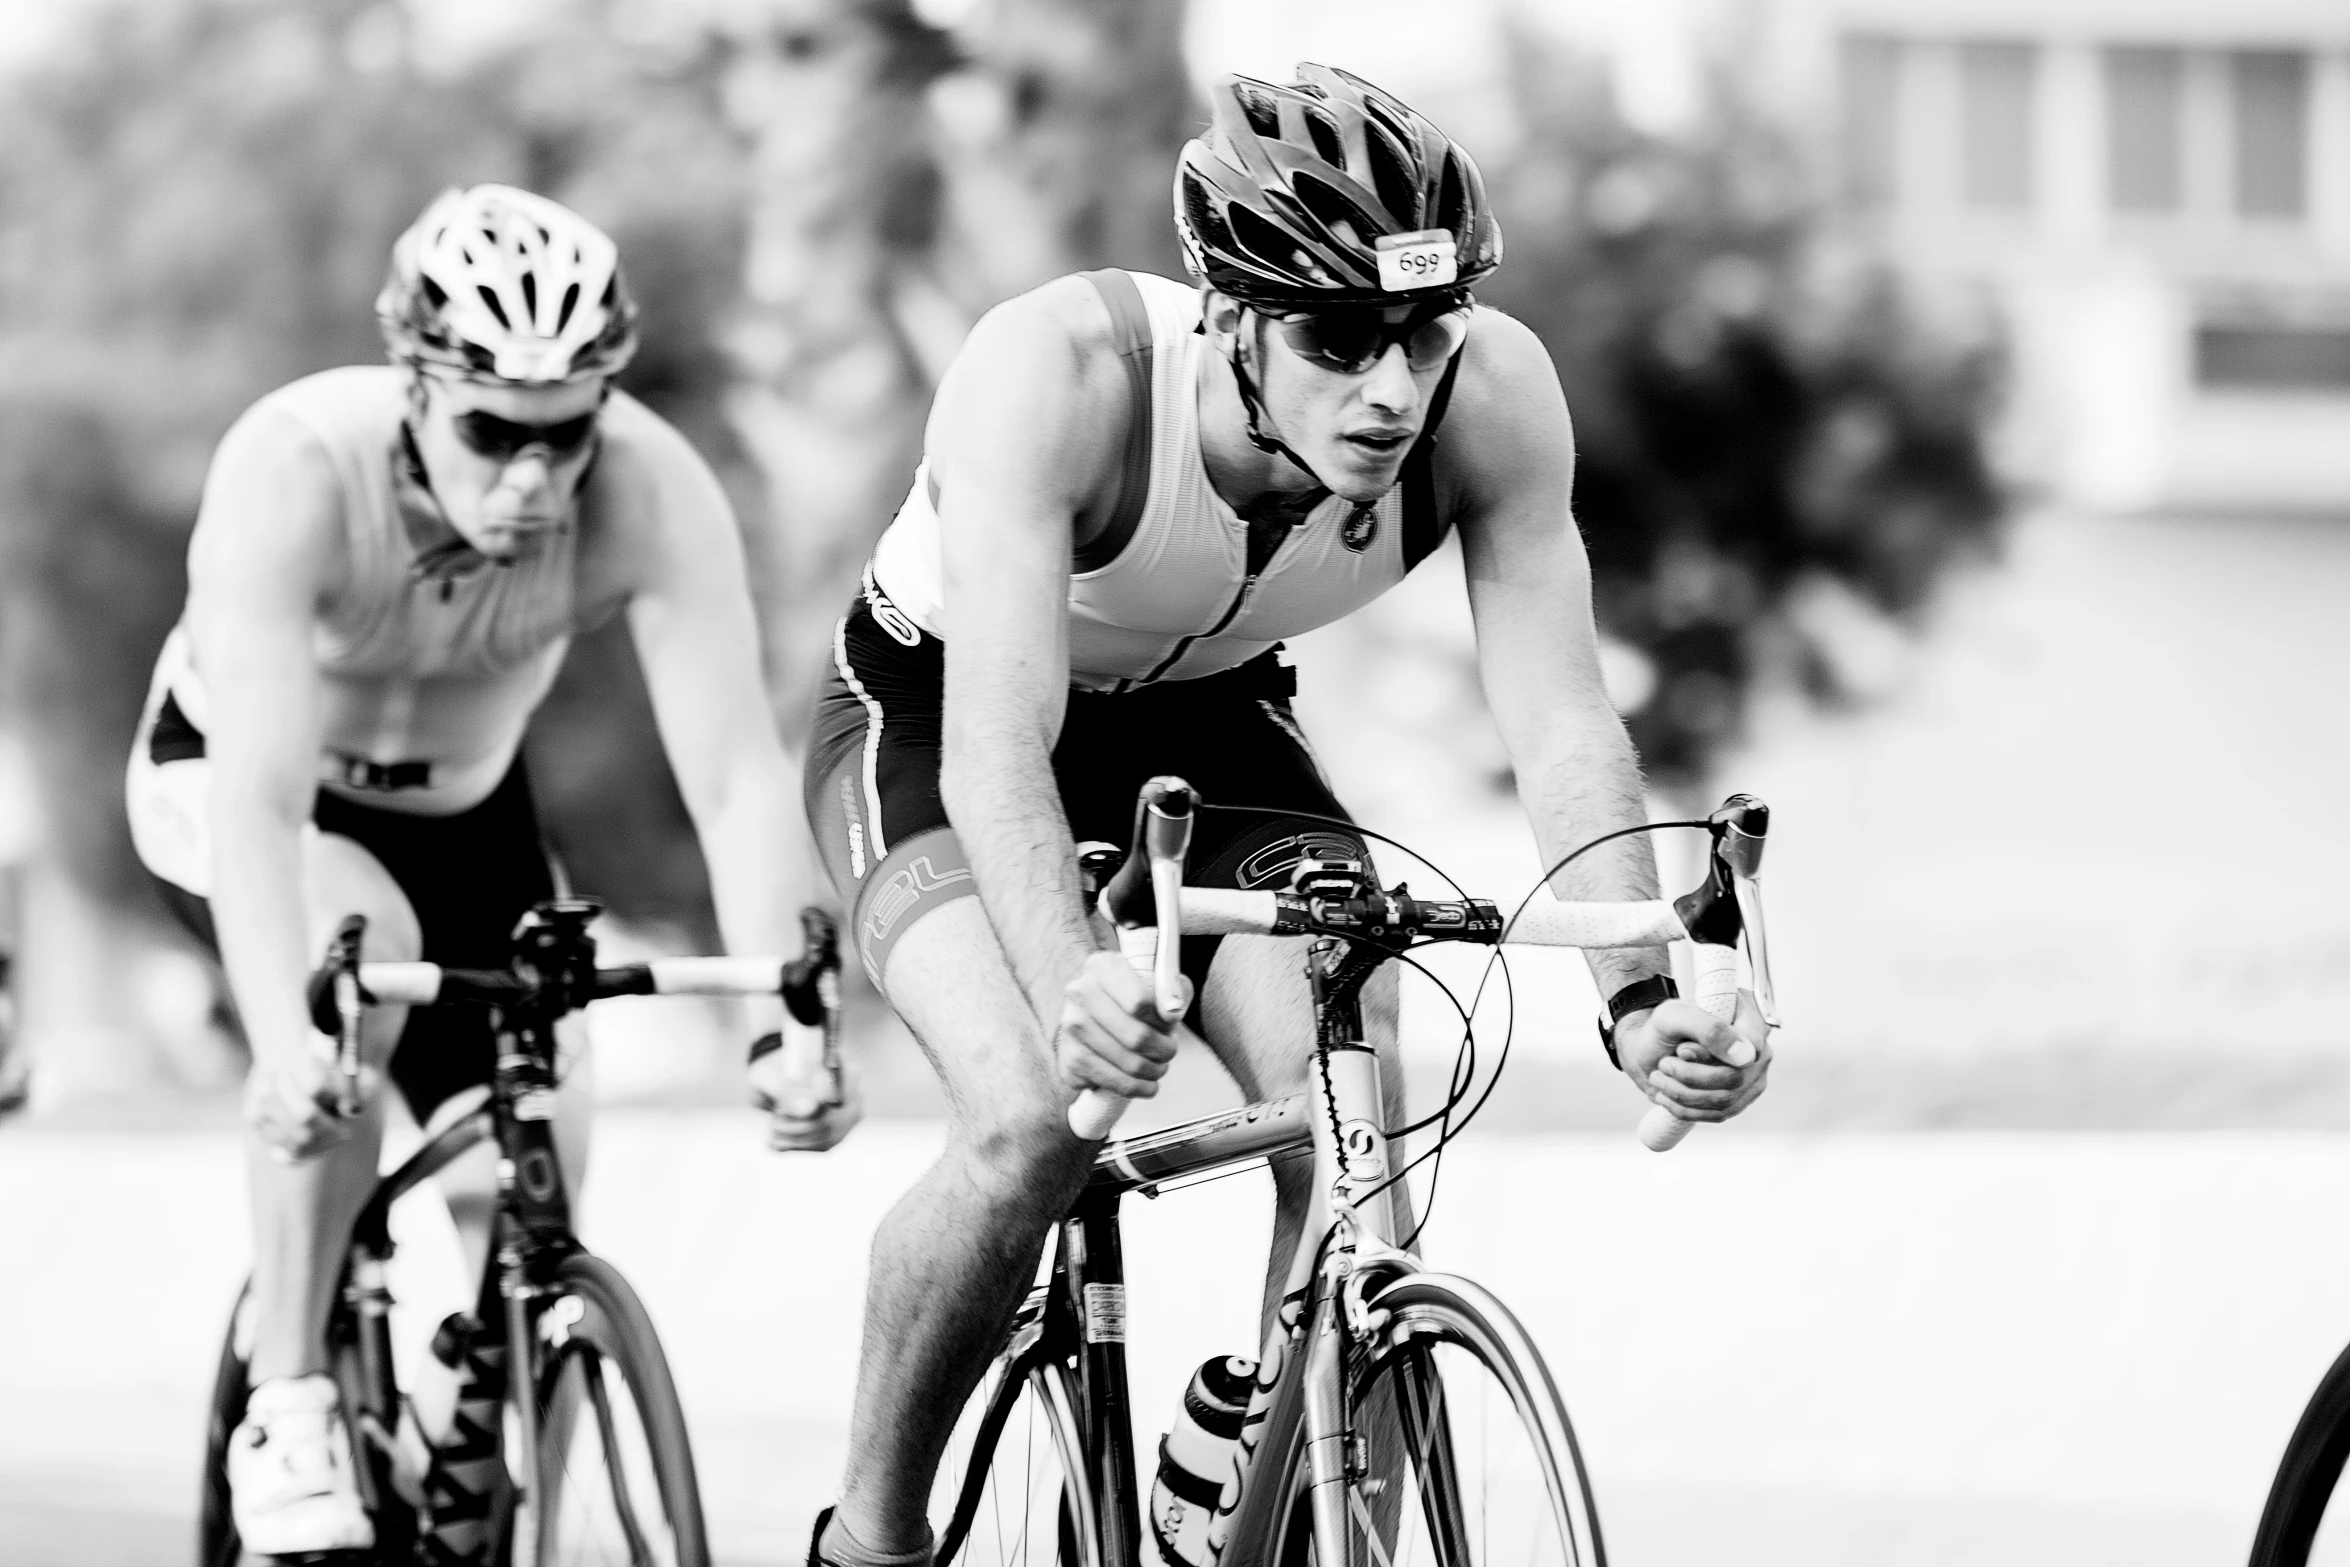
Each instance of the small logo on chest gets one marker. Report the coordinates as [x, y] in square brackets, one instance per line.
[1361, 528]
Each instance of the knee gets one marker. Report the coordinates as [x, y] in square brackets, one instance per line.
[342, 879]
[1024, 1161]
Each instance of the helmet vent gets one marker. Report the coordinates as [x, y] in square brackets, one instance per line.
[1264, 115]
[1327, 141]
[570, 303]
[1390, 121]
[1451, 197]
[1273, 249]
[530, 295]
[1397, 185]
[1334, 211]
[496, 309]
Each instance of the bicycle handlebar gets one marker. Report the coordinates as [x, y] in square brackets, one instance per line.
[343, 987]
[429, 984]
[1713, 918]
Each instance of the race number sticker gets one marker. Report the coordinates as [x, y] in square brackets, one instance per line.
[1424, 258]
[1105, 1313]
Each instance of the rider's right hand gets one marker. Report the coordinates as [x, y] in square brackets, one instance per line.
[291, 1098]
[1111, 1036]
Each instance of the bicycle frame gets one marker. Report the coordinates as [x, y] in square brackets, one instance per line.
[1346, 1249]
[533, 1222]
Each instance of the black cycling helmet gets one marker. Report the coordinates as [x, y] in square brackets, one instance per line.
[1286, 198]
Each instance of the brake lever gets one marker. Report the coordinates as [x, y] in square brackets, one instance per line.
[1740, 826]
[350, 1007]
[1148, 930]
[1758, 948]
[811, 989]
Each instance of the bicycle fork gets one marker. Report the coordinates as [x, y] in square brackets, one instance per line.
[1362, 1194]
[1324, 1305]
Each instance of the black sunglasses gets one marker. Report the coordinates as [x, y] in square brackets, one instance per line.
[502, 440]
[1350, 339]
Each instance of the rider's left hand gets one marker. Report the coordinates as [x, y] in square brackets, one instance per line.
[809, 1108]
[1678, 1055]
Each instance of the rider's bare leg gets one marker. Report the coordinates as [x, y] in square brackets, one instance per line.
[1257, 1012]
[957, 1253]
[303, 1211]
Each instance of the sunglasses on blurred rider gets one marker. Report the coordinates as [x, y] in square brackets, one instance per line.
[500, 439]
[1350, 339]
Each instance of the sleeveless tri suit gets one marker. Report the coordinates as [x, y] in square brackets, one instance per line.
[1177, 608]
[433, 659]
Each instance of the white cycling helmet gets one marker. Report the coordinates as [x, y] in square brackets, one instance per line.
[504, 285]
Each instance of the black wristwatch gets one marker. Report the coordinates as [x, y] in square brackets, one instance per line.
[1638, 996]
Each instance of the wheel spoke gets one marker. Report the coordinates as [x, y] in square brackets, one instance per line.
[1005, 1472]
[1455, 1393]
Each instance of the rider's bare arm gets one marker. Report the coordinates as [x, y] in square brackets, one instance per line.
[266, 550]
[1027, 421]
[1511, 451]
[697, 637]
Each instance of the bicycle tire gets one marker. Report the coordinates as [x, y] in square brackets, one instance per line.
[992, 1480]
[580, 1351]
[1447, 1347]
[217, 1541]
[2307, 1474]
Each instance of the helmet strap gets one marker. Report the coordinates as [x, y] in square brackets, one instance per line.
[1253, 406]
[1271, 444]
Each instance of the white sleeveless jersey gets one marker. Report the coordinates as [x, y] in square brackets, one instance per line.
[1161, 591]
[433, 656]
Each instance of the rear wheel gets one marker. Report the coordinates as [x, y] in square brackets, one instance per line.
[1012, 1489]
[1465, 1457]
[2295, 1526]
[616, 1474]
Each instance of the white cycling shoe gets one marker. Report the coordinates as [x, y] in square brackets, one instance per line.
[291, 1486]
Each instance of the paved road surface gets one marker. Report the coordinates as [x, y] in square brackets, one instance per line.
[1953, 1349]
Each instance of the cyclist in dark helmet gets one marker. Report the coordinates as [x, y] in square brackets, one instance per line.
[1132, 492]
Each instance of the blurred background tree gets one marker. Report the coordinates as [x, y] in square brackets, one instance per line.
[815, 198]
[1775, 449]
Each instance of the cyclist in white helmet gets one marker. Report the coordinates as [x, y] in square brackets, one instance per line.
[1133, 490]
[387, 566]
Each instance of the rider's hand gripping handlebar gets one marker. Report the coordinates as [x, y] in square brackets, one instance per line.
[1717, 914]
[1144, 898]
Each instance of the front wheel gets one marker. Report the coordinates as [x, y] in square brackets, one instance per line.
[616, 1476]
[1013, 1489]
[1464, 1456]
[2291, 1530]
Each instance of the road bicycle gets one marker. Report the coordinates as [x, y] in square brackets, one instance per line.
[1395, 1414]
[2294, 1517]
[567, 1443]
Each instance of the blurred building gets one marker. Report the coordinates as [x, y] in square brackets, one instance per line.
[2159, 193]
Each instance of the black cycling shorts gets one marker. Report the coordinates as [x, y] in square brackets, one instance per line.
[469, 877]
[881, 828]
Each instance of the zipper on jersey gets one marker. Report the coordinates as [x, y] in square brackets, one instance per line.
[1266, 535]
